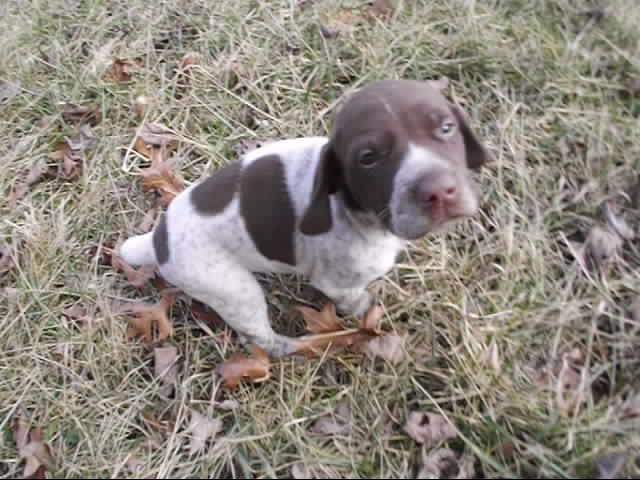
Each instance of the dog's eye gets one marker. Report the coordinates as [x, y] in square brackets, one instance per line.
[367, 158]
[446, 128]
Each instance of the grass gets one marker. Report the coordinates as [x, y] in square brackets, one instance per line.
[544, 83]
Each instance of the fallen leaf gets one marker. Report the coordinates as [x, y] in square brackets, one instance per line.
[610, 465]
[631, 407]
[380, 9]
[387, 347]
[32, 448]
[322, 321]
[255, 368]
[73, 113]
[601, 248]
[186, 63]
[429, 429]
[122, 69]
[136, 277]
[135, 466]
[335, 423]
[165, 368]
[68, 153]
[615, 220]
[201, 428]
[568, 393]
[78, 314]
[160, 178]
[632, 86]
[299, 471]
[154, 136]
[444, 463]
[36, 173]
[146, 316]
[7, 256]
[10, 293]
[371, 318]
[8, 90]
[20, 431]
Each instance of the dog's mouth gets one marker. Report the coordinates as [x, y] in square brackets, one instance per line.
[411, 219]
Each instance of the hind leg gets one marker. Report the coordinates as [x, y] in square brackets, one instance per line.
[235, 294]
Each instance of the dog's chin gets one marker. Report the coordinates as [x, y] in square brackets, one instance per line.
[414, 227]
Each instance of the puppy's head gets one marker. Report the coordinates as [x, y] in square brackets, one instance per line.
[401, 152]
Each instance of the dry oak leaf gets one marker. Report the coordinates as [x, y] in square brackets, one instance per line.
[328, 333]
[73, 113]
[201, 429]
[154, 136]
[322, 321]
[186, 63]
[238, 367]
[122, 69]
[429, 429]
[32, 449]
[36, 173]
[381, 9]
[160, 178]
[165, 366]
[443, 463]
[68, 153]
[136, 277]
[147, 315]
[335, 423]
[388, 347]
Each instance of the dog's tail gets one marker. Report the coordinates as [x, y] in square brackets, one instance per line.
[138, 250]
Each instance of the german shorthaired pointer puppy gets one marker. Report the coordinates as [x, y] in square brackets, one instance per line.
[337, 210]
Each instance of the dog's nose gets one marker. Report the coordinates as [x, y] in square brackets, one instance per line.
[437, 191]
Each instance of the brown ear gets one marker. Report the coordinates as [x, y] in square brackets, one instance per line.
[317, 217]
[477, 154]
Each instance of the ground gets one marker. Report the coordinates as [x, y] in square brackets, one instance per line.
[528, 349]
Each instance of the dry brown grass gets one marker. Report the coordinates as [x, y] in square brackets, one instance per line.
[544, 83]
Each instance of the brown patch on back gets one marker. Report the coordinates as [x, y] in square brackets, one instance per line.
[267, 209]
[216, 192]
[161, 240]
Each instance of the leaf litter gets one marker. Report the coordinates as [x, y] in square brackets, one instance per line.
[444, 463]
[238, 367]
[165, 367]
[429, 429]
[150, 322]
[327, 332]
[32, 448]
[156, 142]
[200, 429]
[338, 422]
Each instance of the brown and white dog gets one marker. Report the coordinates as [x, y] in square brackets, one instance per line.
[337, 210]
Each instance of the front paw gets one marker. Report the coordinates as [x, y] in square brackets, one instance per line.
[356, 305]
